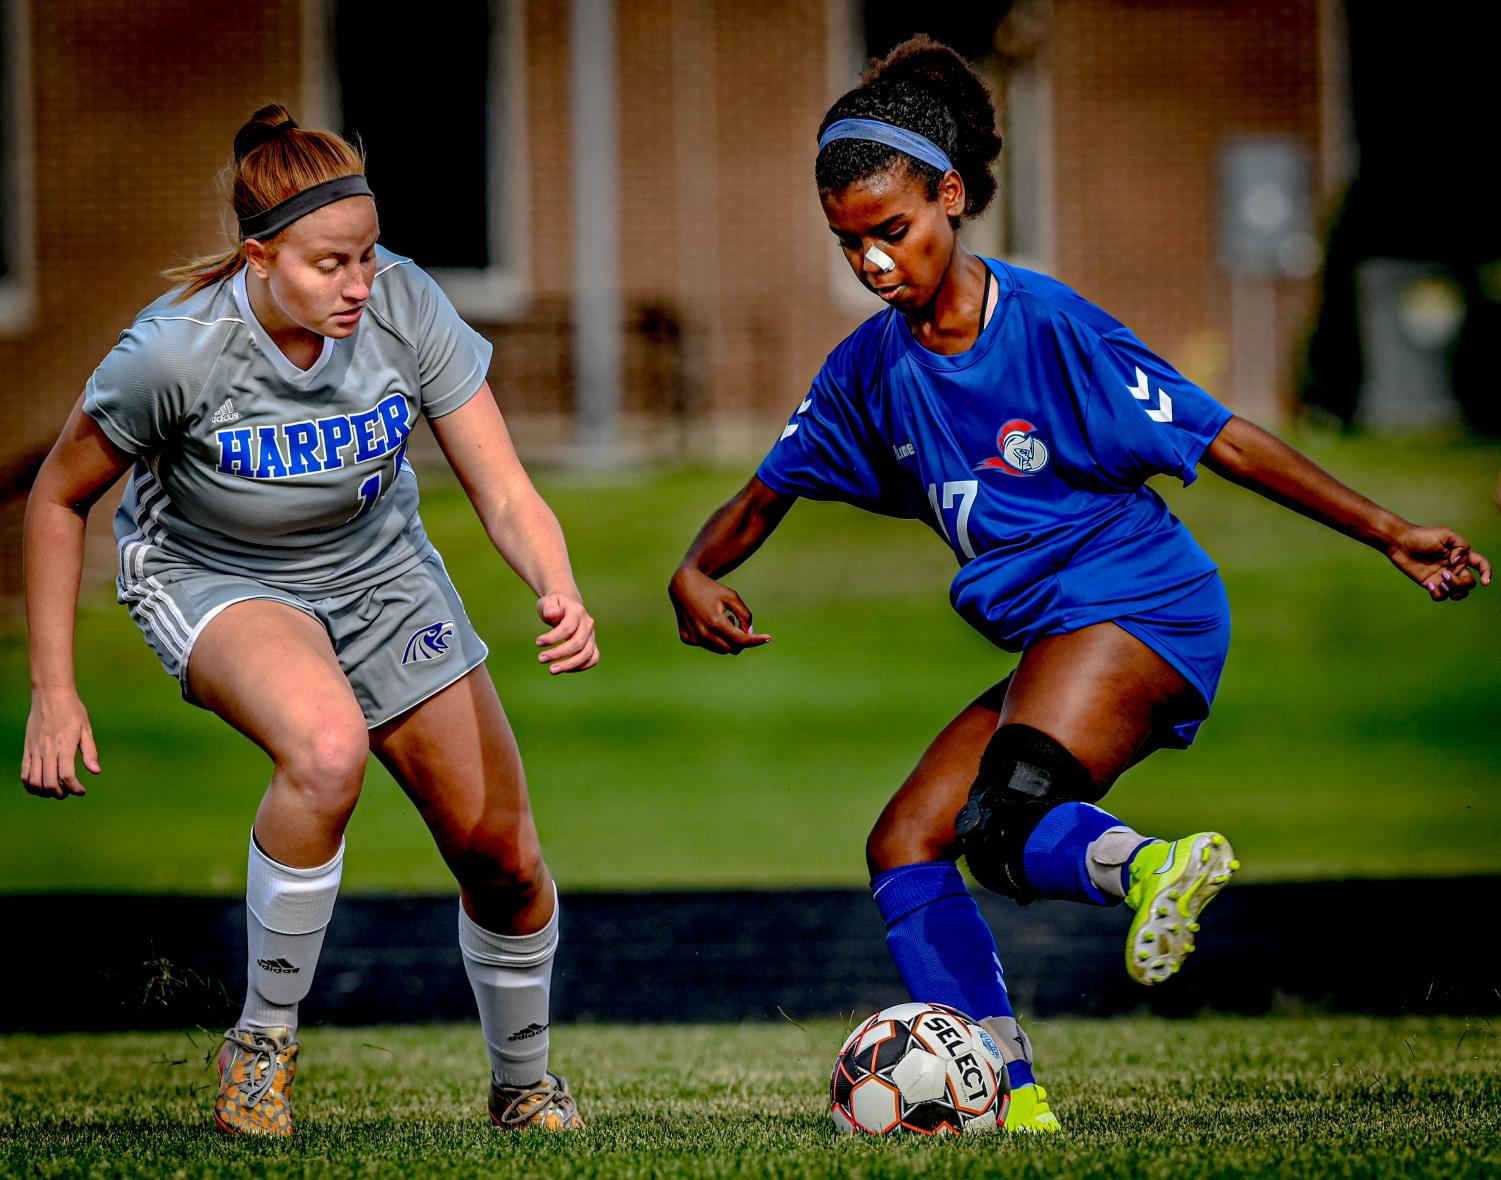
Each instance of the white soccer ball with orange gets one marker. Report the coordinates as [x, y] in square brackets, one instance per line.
[921, 1068]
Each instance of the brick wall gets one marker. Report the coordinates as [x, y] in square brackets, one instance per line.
[1144, 94]
[133, 108]
[727, 268]
[724, 255]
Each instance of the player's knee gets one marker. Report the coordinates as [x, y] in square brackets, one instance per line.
[327, 765]
[897, 841]
[1023, 775]
[505, 869]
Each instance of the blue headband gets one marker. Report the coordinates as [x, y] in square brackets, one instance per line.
[915, 145]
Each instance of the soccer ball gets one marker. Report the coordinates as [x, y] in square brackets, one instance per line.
[920, 1067]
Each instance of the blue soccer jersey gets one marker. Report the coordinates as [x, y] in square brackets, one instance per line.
[1028, 454]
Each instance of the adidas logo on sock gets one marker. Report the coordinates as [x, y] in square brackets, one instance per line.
[225, 413]
[532, 1030]
[279, 966]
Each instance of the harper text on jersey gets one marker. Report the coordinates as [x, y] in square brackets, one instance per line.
[287, 450]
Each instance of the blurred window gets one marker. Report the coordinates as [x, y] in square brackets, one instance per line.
[1023, 212]
[846, 58]
[1014, 224]
[7, 151]
[969, 28]
[15, 197]
[435, 95]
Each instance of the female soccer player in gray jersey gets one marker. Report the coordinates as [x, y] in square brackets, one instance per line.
[271, 552]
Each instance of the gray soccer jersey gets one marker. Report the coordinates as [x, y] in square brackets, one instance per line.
[251, 466]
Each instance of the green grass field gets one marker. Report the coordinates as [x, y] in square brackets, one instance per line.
[1355, 733]
[1217, 1096]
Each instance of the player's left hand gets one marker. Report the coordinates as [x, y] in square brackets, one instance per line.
[570, 644]
[1441, 561]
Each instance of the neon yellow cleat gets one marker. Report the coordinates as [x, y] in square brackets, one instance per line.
[1170, 885]
[1030, 1112]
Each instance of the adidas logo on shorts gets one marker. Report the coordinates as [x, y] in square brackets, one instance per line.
[225, 413]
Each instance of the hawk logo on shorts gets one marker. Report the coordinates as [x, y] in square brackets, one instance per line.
[1022, 452]
[431, 643]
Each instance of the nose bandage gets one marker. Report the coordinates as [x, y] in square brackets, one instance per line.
[877, 258]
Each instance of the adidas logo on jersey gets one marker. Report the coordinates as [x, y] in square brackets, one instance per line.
[225, 413]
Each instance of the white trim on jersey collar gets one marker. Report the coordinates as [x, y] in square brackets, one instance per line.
[284, 368]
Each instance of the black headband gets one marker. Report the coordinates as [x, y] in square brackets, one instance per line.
[275, 219]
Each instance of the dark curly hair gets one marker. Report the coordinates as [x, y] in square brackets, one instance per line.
[928, 88]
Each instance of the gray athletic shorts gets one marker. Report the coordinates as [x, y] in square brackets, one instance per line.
[398, 642]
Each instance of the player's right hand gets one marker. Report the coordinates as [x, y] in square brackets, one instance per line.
[1439, 560]
[710, 614]
[57, 732]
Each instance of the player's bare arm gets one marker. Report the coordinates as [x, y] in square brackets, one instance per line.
[81, 467]
[1437, 558]
[522, 527]
[710, 614]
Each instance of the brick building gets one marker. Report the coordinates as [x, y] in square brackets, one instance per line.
[118, 114]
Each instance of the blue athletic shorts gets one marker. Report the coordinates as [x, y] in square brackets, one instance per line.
[1192, 633]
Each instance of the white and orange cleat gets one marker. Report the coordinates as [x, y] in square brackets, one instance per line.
[256, 1069]
[547, 1106]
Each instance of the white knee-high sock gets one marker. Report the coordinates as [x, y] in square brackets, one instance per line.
[511, 975]
[287, 911]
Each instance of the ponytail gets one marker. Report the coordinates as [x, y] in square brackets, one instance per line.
[274, 159]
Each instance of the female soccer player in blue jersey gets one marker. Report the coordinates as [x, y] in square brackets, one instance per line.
[1020, 423]
[272, 555]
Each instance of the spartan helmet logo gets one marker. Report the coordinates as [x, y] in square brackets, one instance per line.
[1022, 452]
[431, 643]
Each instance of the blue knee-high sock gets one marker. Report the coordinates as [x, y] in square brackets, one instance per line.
[943, 949]
[1055, 855]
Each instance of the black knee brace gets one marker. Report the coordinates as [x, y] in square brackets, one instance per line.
[1024, 774]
